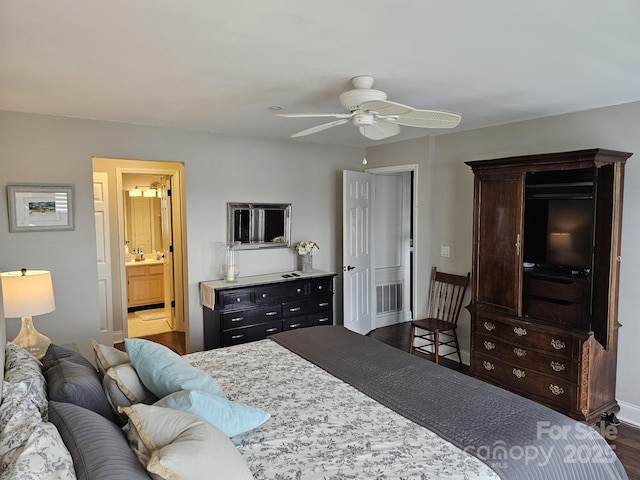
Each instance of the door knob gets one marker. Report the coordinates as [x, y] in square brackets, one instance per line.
[348, 268]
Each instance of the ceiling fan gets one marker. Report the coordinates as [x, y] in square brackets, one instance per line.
[377, 117]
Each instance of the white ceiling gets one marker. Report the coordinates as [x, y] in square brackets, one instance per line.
[218, 66]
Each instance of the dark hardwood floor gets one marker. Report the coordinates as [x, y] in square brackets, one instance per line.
[624, 439]
[173, 340]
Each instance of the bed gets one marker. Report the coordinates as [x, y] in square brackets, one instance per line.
[315, 403]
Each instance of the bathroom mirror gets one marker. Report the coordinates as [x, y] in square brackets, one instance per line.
[259, 225]
[143, 223]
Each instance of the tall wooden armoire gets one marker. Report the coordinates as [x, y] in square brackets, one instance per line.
[546, 256]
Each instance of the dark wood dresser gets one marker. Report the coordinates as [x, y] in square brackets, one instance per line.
[262, 305]
[545, 277]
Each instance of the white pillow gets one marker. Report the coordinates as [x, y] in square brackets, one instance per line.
[124, 388]
[176, 445]
[107, 357]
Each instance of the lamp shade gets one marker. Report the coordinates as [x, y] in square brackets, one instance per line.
[28, 294]
[135, 192]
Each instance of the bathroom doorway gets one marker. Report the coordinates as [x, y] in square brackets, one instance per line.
[147, 244]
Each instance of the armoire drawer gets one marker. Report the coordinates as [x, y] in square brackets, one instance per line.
[554, 390]
[524, 357]
[526, 335]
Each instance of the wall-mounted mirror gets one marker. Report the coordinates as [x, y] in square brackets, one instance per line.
[259, 225]
[142, 212]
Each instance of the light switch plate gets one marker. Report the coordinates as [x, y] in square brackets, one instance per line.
[444, 251]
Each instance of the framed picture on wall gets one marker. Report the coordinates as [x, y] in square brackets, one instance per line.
[40, 207]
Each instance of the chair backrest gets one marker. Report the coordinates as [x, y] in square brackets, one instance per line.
[447, 294]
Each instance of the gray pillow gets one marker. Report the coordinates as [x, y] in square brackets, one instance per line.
[99, 449]
[78, 384]
[55, 353]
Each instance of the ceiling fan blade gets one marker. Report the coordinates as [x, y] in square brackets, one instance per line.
[385, 107]
[319, 128]
[313, 115]
[379, 130]
[428, 119]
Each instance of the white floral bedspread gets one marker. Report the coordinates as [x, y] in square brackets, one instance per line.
[322, 428]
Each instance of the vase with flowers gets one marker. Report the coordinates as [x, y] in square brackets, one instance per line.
[306, 249]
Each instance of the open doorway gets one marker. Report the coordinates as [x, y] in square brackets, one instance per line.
[147, 250]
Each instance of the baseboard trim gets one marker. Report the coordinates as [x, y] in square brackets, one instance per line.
[629, 413]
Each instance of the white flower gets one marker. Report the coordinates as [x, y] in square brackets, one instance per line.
[306, 247]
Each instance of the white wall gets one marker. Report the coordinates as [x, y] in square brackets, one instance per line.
[48, 149]
[449, 192]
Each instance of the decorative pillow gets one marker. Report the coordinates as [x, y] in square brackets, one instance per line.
[100, 450]
[23, 368]
[29, 447]
[107, 357]
[56, 353]
[233, 418]
[124, 388]
[78, 384]
[163, 371]
[173, 444]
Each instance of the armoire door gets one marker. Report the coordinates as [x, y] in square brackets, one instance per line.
[498, 240]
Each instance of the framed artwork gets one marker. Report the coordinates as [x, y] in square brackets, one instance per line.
[40, 207]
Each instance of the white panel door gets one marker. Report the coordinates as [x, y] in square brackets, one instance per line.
[357, 255]
[101, 207]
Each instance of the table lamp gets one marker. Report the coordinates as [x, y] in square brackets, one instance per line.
[27, 293]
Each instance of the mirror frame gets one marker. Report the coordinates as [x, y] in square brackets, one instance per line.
[257, 207]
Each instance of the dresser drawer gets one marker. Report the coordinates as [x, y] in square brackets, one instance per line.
[242, 318]
[236, 298]
[526, 335]
[524, 357]
[320, 286]
[250, 334]
[269, 293]
[321, 318]
[551, 390]
[299, 322]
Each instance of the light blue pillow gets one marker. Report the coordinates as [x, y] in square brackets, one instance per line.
[233, 418]
[163, 371]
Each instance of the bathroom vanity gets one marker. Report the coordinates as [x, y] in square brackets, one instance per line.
[145, 283]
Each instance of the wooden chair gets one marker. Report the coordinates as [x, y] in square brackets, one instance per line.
[445, 302]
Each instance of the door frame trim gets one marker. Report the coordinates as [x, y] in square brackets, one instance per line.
[410, 167]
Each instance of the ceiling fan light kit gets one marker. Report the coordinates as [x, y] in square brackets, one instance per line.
[376, 117]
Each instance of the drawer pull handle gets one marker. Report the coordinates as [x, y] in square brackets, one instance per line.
[294, 309]
[235, 337]
[521, 332]
[238, 299]
[320, 287]
[323, 304]
[274, 329]
[519, 373]
[556, 390]
[295, 325]
[236, 319]
[325, 319]
[488, 365]
[271, 314]
[489, 345]
[489, 326]
[519, 352]
[558, 344]
[264, 295]
[557, 366]
[298, 290]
